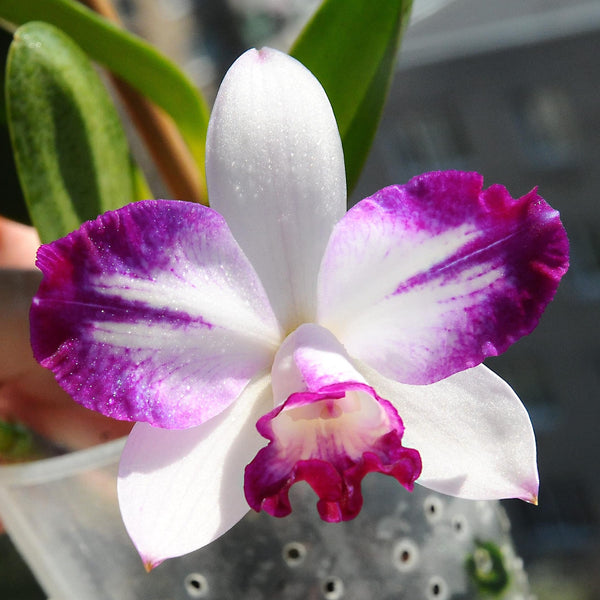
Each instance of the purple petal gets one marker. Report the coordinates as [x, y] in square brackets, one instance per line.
[472, 432]
[152, 313]
[427, 279]
[275, 171]
[180, 490]
[331, 431]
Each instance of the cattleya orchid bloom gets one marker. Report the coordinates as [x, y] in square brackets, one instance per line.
[275, 338]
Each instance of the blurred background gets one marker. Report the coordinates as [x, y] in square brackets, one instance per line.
[510, 89]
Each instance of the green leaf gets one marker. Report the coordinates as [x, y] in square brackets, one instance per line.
[127, 56]
[70, 149]
[351, 47]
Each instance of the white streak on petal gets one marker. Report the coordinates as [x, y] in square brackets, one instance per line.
[363, 269]
[179, 490]
[209, 294]
[409, 325]
[275, 171]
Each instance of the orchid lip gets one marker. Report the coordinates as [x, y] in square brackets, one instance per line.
[331, 438]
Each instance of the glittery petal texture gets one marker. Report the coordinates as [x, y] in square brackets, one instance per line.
[152, 313]
[275, 171]
[423, 280]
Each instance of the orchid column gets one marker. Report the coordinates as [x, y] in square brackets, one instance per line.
[275, 338]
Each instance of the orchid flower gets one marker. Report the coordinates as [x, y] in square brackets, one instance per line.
[275, 338]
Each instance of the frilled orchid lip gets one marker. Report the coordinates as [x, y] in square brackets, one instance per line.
[331, 440]
[328, 434]
[173, 315]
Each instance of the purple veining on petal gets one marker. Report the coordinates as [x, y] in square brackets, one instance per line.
[136, 310]
[331, 439]
[442, 274]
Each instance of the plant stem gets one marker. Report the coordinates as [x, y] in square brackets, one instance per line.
[164, 142]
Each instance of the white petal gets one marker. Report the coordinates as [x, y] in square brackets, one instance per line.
[472, 431]
[275, 171]
[179, 490]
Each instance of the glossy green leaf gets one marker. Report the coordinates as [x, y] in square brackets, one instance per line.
[70, 149]
[127, 56]
[351, 46]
